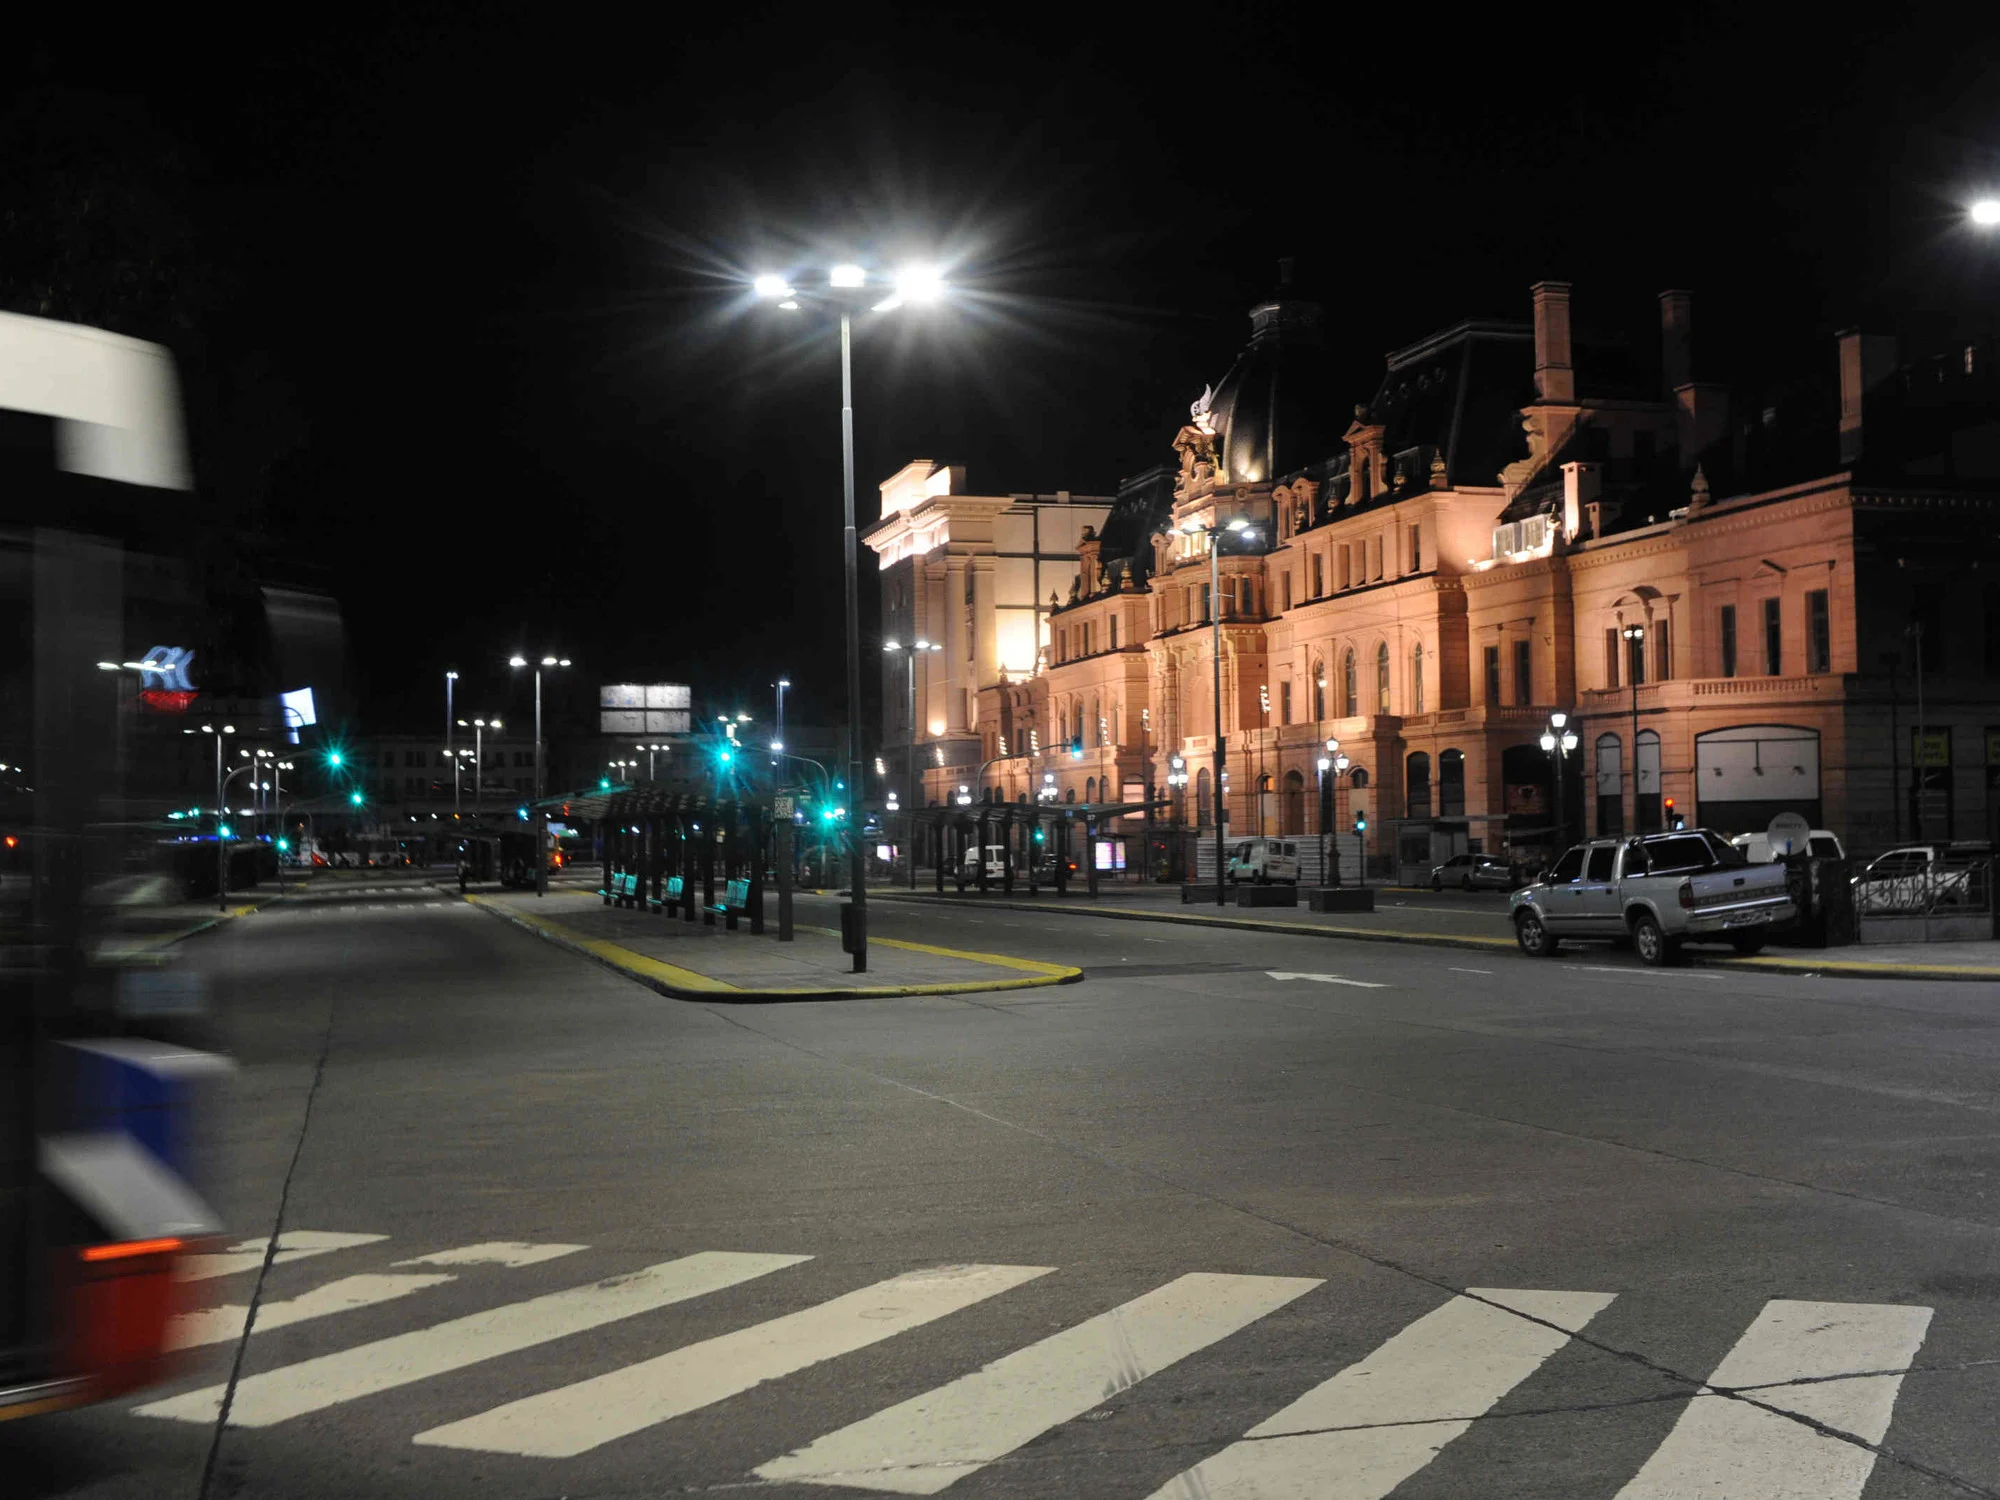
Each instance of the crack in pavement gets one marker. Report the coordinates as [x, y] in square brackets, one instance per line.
[1696, 1386]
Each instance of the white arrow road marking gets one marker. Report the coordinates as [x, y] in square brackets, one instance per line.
[1369, 1428]
[216, 1325]
[293, 1244]
[1359, 984]
[929, 1442]
[315, 1384]
[1722, 1446]
[494, 1253]
[577, 1418]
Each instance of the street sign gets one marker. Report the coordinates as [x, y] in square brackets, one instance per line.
[782, 807]
[1788, 833]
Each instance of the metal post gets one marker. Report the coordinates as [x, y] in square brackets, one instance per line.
[478, 771]
[1895, 755]
[541, 822]
[858, 885]
[450, 680]
[784, 861]
[1215, 650]
[221, 853]
[910, 769]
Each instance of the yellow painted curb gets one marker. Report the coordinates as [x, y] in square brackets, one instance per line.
[671, 979]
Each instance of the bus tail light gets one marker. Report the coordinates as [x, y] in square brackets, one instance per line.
[123, 1296]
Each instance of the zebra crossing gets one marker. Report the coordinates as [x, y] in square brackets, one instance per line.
[1793, 1411]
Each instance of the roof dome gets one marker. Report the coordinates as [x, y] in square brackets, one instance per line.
[1274, 413]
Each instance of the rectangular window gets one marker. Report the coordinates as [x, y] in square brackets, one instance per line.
[1319, 575]
[1346, 566]
[1206, 603]
[1492, 676]
[1611, 658]
[1663, 651]
[1774, 639]
[1285, 702]
[1416, 549]
[1819, 632]
[1288, 588]
[1524, 673]
[1728, 637]
[1375, 559]
[1114, 632]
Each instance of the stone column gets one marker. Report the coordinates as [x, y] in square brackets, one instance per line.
[957, 647]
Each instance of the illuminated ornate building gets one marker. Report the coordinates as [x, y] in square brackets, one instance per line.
[1728, 597]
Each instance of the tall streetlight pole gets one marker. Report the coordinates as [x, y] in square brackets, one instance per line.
[1635, 665]
[541, 820]
[778, 738]
[221, 849]
[847, 289]
[450, 681]
[1558, 739]
[1241, 527]
[479, 728]
[909, 655]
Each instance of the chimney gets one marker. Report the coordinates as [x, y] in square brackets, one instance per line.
[1555, 381]
[1582, 484]
[1676, 340]
[1866, 361]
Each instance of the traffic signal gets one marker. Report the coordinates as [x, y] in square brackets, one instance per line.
[335, 759]
[1361, 822]
[226, 831]
[604, 782]
[1041, 837]
[354, 797]
[283, 845]
[1673, 819]
[523, 813]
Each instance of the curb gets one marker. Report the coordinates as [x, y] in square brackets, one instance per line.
[685, 984]
[1827, 968]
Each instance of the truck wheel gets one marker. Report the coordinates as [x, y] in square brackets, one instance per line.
[1656, 949]
[1746, 943]
[1535, 939]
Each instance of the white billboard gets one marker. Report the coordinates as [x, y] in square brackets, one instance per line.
[645, 708]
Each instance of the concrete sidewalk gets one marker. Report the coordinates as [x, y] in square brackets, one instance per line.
[691, 960]
[1403, 915]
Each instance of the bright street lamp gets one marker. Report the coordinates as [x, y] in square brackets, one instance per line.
[541, 816]
[1558, 740]
[847, 291]
[1986, 212]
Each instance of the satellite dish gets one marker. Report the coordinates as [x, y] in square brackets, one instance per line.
[1788, 833]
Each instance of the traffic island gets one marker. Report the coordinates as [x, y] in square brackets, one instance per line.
[1267, 895]
[691, 961]
[1341, 898]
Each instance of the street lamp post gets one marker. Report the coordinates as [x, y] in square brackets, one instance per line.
[450, 681]
[1558, 739]
[1635, 658]
[541, 820]
[221, 851]
[479, 728]
[1241, 527]
[778, 737]
[847, 289]
[909, 655]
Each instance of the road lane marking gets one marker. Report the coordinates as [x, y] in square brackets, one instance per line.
[315, 1384]
[1725, 1446]
[1398, 1407]
[1359, 984]
[577, 1418]
[1621, 969]
[923, 1445]
[512, 1253]
[218, 1325]
[293, 1244]
[1471, 971]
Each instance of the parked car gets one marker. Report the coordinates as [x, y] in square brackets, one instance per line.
[1660, 891]
[968, 865]
[1264, 862]
[1475, 872]
[1756, 847]
[1919, 877]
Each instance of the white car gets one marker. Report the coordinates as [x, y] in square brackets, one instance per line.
[1918, 877]
[1264, 862]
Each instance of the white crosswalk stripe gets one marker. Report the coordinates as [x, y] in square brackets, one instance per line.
[931, 1441]
[315, 1384]
[1376, 1423]
[293, 1244]
[217, 1325]
[494, 1253]
[1727, 1446]
[591, 1413]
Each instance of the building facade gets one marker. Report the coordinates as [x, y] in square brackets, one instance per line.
[1737, 598]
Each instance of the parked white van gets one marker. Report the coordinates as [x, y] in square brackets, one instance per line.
[996, 865]
[1756, 847]
[1264, 862]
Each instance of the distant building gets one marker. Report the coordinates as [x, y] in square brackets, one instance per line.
[1727, 592]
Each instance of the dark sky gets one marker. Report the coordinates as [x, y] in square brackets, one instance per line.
[468, 318]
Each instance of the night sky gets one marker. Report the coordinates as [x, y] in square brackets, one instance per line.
[460, 293]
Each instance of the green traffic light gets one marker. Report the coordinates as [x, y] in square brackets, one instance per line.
[355, 798]
[284, 844]
[603, 782]
[334, 758]
[227, 832]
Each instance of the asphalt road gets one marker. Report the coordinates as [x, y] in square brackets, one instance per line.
[631, 1246]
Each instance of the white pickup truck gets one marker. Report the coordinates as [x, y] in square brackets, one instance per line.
[1659, 891]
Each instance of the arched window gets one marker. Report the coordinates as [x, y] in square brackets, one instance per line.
[1451, 784]
[1610, 786]
[1382, 678]
[1350, 693]
[1069, 794]
[1646, 804]
[1417, 785]
[1201, 798]
[1417, 678]
[1319, 691]
[1358, 778]
[1263, 801]
[1295, 803]
[1090, 789]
